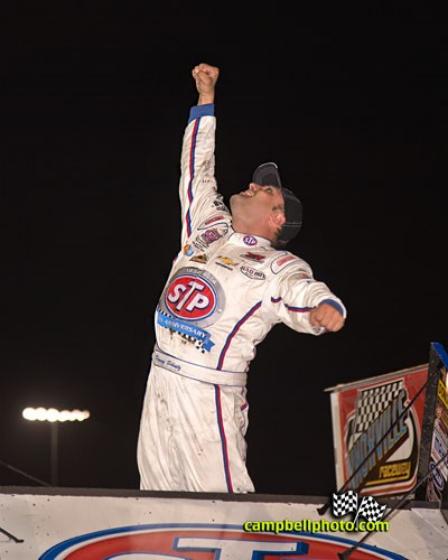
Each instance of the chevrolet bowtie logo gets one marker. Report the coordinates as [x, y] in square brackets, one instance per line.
[227, 260]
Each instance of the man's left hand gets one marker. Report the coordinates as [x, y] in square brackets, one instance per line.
[326, 316]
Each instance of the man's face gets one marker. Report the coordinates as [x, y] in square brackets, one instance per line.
[257, 204]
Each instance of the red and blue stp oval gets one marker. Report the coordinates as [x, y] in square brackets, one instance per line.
[193, 295]
[190, 297]
[206, 542]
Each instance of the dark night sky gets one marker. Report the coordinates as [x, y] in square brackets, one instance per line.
[353, 108]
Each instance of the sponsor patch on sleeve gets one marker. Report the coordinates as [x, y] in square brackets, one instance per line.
[282, 262]
[213, 220]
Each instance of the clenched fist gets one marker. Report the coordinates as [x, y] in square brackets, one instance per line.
[205, 77]
[326, 316]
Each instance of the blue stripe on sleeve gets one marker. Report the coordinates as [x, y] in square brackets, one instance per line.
[334, 304]
[206, 110]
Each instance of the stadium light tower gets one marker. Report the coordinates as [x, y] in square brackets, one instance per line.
[54, 416]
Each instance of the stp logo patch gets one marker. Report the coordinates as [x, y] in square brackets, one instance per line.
[205, 542]
[249, 240]
[193, 295]
[190, 297]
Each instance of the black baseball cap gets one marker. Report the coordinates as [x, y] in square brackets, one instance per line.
[267, 174]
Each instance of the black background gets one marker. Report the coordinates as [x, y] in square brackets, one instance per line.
[94, 99]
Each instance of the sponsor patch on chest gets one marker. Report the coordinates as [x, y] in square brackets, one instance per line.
[226, 262]
[254, 257]
[201, 258]
[209, 236]
[193, 295]
[192, 300]
[252, 273]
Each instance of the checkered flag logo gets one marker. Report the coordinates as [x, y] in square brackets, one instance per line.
[371, 403]
[370, 509]
[345, 503]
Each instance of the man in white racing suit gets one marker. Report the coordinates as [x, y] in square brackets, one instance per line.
[227, 288]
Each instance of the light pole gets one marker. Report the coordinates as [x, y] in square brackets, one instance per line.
[54, 416]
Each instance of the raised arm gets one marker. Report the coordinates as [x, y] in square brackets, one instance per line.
[301, 302]
[197, 188]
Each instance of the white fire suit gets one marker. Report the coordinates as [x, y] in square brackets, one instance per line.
[225, 292]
